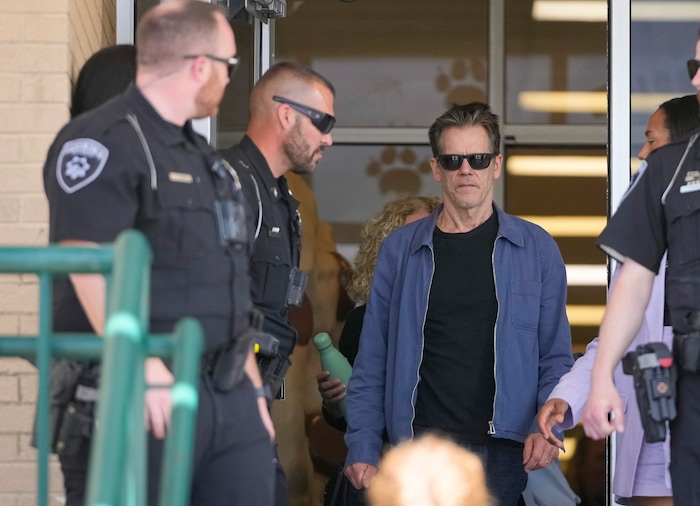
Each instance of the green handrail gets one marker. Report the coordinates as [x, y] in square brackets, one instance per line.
[117, 470]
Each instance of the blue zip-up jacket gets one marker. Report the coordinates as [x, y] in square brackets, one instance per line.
[532, 335]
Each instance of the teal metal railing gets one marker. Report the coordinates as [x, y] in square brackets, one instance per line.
[117, 474]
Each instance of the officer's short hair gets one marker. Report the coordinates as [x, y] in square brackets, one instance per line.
[681, 116]
[170, 31]
[459, 116]
[290, 74]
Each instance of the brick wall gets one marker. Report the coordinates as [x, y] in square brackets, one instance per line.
[43, 43]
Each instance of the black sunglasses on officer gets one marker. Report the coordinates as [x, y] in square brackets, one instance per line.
[693, 66]
[324, 122]
[231, 63]
[477, 161]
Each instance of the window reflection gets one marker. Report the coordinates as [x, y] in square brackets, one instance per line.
[564, 191]
[658, 72]
[232, 120]
[395, 63]
[352, 183]
[554, 56]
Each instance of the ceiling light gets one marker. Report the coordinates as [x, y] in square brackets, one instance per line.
[570, 10]
[665, 11]
[583, 315]
[570, 226]
[586, 275]
[649, 102]
[593, 102]
[557, 166]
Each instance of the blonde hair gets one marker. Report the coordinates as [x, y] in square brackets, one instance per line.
[391, 217]
[429, 471]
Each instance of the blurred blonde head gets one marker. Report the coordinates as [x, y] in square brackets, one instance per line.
[429, 471]
[394, 214]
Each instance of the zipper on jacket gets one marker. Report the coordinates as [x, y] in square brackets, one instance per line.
[422, 348]
[492, 428]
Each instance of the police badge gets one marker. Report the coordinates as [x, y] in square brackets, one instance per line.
[79, 163]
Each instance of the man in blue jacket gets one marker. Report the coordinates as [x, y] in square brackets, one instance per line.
[465, 332]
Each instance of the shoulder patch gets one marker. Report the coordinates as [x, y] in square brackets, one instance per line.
[79, 163]
[635, 179]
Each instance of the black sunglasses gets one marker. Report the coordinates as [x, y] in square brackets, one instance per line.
[693, 66]
[232, 63]
[321, 120]
[477, 161]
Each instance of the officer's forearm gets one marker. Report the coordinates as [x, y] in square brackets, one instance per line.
[251, 368]
[623, 316]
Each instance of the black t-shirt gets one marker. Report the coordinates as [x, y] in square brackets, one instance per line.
[457, 386]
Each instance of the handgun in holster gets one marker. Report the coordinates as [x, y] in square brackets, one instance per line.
[229, 368]
[273, 366]
[75, 413]
[654, 372]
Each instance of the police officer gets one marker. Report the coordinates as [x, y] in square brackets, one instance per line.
[660, 212]
[291, 117]
[136, 162]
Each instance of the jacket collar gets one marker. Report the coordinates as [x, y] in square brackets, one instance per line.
[507, 229]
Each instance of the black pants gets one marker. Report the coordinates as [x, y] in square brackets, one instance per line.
[340, 492]
[506, 477]
[685, 441]
[281, 489]
[505, 474]
[233, 456]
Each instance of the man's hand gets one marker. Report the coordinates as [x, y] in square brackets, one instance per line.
[253, 372]
[158, 402]
[538, 452]
[266, 418]
[550, 415]
[332, 390]
[360, 474]
[602, 401]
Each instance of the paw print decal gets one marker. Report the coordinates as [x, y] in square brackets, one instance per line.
[465, 82]
[399, 171]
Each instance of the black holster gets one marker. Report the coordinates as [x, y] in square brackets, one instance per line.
[74, 388]
[75, 429]
[229, 368]
[272, 365]
[272, 371]
[654, 374]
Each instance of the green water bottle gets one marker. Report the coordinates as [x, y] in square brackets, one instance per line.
[334, 362]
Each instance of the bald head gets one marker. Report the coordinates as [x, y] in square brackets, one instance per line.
[171, 30]
[289, 80]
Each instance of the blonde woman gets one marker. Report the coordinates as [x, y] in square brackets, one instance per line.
[395, 213]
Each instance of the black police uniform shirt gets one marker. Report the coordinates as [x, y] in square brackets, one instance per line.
[98, 181]
[661, 211]
[272, 214]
